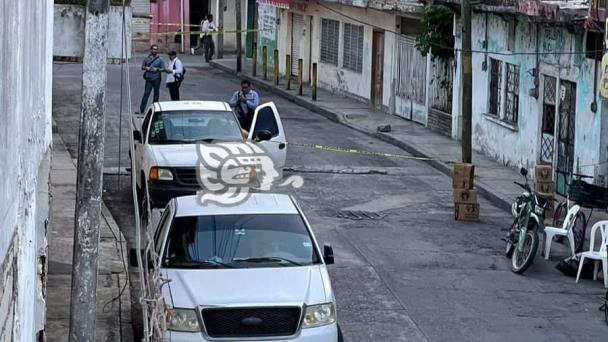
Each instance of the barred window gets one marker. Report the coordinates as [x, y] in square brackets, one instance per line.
[330, 34]
[495, 86]
[512, 97]
[353, 47]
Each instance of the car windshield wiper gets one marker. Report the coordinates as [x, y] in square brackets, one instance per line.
[199, 264]
[268, 259]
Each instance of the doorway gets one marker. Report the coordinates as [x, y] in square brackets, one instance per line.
[250, 36]
[565, 136]
[377, 69]
[297, 32]
[547, 141]
[199, 9]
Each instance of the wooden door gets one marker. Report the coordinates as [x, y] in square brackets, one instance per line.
[377, 69]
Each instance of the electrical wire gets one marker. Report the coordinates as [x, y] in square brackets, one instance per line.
[458, 49]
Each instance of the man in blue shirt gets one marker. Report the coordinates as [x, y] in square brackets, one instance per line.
[152, 66]
[244, 102]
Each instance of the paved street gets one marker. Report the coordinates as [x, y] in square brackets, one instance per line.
[414, 274]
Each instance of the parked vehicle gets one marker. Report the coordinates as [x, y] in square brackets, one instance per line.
[166, 137]
[250, 272]
[529, 216]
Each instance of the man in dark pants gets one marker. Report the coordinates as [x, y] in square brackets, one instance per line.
[207, 28]
[153, 66]
[175, 77]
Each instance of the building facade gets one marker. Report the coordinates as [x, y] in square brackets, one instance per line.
[25, 144]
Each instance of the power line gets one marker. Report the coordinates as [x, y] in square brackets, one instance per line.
[461, 50]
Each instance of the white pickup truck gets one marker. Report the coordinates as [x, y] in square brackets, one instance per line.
[166, 139]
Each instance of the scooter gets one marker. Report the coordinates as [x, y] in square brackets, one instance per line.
[529, 218]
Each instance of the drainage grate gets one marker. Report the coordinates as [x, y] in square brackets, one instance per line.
[360, 215]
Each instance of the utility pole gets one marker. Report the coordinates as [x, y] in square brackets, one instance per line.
[467, 82]
[83, 307]
[237, 9]
[220, 22]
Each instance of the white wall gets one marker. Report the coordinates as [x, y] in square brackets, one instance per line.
[336, 78]
[230, 23]
[520, 145]
[26, 37]
[69, 31]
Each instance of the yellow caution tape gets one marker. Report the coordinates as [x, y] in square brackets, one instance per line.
[178, 33]
[367, 153]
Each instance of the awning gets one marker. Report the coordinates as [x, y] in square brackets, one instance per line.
[276, 3]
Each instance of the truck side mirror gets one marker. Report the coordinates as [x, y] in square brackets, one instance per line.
[328, 254]
[137, 136]
[133, 258]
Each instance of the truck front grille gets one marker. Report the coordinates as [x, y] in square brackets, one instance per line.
[186, 176]
[251, 322]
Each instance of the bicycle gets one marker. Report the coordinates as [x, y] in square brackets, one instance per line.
[579, 227]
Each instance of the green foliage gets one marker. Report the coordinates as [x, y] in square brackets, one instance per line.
[437, 32]
[84, 2]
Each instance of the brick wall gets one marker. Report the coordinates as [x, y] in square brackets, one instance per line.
[440, 122]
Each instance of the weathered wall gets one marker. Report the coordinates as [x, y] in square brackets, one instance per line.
[336, 78]
[25, 138]
[230, 23]
[141, 24]
[69, 31]
[520, 144]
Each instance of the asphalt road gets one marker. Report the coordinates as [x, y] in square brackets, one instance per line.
[413, 274]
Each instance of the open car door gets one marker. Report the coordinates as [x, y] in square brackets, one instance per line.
[266, 118]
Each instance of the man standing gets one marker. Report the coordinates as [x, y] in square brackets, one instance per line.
[207, 28]
[176, 75]
[244, 102]
[152, 66]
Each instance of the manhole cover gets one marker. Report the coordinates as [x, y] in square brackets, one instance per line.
[360, 215]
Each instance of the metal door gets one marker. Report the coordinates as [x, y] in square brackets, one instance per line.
[297, 32]
[411, 80]
[377, 68]
[565, 136]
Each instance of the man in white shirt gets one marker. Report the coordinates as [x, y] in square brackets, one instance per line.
[176, 75]
[207, 28]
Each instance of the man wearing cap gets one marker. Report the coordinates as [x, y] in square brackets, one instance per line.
[175, 75]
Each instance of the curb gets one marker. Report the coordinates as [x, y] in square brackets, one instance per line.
[484, 190]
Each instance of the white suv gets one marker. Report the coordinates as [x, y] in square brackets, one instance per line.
[166, 138]
[250, 272]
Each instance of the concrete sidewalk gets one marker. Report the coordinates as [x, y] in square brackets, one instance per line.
[493, 180]
[113, 296]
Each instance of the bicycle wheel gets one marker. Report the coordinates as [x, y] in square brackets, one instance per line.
[560, 214]
[520, 261]
[578, 230]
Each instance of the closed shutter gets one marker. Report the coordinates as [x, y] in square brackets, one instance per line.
[297, 31]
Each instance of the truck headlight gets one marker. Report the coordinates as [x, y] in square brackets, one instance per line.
[318, 315]
[183, 320]
[162, 174]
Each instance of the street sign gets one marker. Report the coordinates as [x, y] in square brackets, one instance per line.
[604, 80]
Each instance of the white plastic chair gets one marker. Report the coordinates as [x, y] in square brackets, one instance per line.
[565, 230]
[597, 256]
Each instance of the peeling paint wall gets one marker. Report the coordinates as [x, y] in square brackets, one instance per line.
[230, 23]
[69, 31]
[336, 78]
[26, 37]
[520, 145]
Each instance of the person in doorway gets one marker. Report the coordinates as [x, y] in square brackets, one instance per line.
[199, 43]
[176, 75]
[244, 102]
[153, 66]
[207, 28]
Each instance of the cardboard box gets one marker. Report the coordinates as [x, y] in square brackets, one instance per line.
[466, 212]
[543, 173]
[545, 188]
[465, 196]
[463, 176]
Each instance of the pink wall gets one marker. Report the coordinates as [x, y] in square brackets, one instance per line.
[167, 12]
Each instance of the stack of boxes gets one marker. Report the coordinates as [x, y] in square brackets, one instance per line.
[544, 186]
[466, 207]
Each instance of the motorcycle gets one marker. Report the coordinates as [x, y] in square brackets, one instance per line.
[529, 218]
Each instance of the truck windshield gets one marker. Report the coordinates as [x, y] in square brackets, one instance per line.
[239, 241]
[175, 127]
